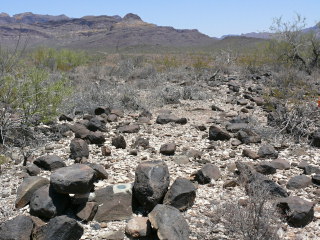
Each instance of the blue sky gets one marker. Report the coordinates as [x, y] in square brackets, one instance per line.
[212, 17]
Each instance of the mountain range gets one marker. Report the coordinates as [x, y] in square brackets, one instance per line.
[101, 32]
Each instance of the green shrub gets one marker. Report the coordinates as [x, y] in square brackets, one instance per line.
[63, 60]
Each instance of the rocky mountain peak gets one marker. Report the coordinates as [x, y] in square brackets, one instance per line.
[131, 16]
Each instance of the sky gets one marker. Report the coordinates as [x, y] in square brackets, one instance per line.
[212, 17]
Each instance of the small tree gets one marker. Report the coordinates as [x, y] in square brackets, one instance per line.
[294, 46]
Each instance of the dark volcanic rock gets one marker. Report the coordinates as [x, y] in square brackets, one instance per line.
[181, 194]
[267, 151]
[265, 168]
[18, 228]
[100, 171]
[252, 179]
[60, 228]
[315, 139]
[280, 164]
[87, 211]
[151, 183]
[132, 128]
[300, 181]
[299, 212]
[101, 110]
[207, 173]
[141, 142]
[64, 117]
[235, 127]
[27, 188]
[47, 203]
[97, 124]
[250, 154]
[168, 149]
[95, 137]
[119, 142]
[114, 203]
[167, 118]
[77, 179]
[49, 162]
[216, 133]
[247, 136]
[79, 130]
[79, 149]
[316, 179]
[169, 223]
[33, 170]
[310, 169]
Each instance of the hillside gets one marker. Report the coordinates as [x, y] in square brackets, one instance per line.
[94, 32]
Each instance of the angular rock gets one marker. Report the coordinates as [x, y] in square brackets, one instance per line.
[33, 170]
[235, 127]
[141, 142]
[299, 212]
[252, 179]
[169, 223]
[138, 227]
[315, 139]
[95, 137]
[250, 154]
[101, 110]
[77, 179]
[167, 118]
[265, 168]
[316, 179]
[267, 151]
[60, 228]
[216, 108]
[97, 124]
[114, 203]
[216, 133]
[280, 164]
[207, 173]
[18, 228]
[119, 142]
[132, 128]
[47, 203]
[247, 136]
[105, 151]
[79, 130]
[112, 118]
[49, 162]
[87, 211]
[300, 181]
[181, 194]
[168, 149]
[79, 149]
[310, 169]
[151, 183]
[64, 117]
[100, 171]
[27, 188]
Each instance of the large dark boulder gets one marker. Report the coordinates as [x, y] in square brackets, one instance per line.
[49, 162]
[27, 188]
[60, 228]
[151, 183]
[95, 138]
[216, 133]
[181, 194]
[299, 212]
[18, 228]
[77, 179]
[79, 149]
[47, 203]
[169, 223]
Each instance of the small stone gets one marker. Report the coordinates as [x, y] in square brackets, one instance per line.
[168, 149]
[119, 142]
[138, 227]
[105, 151]
[300, 181]
[207, 173]
[250, 154]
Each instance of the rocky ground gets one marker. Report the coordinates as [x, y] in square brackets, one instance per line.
[193, 150]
